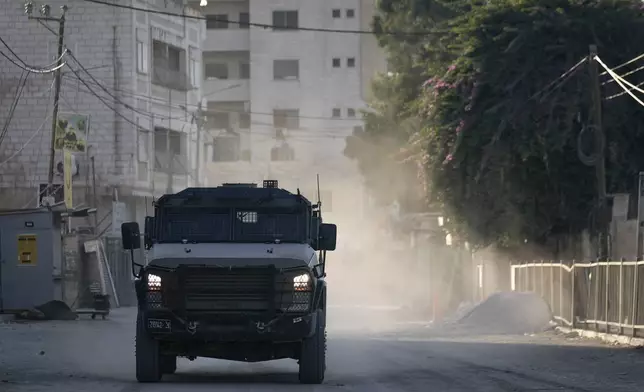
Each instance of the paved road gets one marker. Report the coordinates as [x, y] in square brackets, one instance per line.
[97, 356]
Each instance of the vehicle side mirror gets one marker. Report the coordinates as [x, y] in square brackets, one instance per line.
[328, 236]
[131, 235]
[315, 231]
[148, 232]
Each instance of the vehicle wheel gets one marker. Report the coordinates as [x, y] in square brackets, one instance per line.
[148, 358]
[168, 364]
[313, 355]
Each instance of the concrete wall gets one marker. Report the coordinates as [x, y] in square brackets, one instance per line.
[103, 39]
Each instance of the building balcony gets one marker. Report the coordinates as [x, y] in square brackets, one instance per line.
[226, 90]
[227, 40]
[172, 79]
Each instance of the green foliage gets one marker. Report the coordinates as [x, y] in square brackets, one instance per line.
[501, 154]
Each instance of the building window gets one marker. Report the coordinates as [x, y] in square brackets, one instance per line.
[226, 148]
[170, 151]
[143, 152]
[219, 120]
[217, 71]
[351, 62]
[244, 120]
[244, 71]
[218, 21]
[336, 63]
[286, 118]
[336, 13]
[244, 20]
[169, 66]
[336, 112]
[142, 54]
[194, 72]
[351, 13]
[351, 112]
[285, 20]
[174, 58]
[286, 69]
[282, 152]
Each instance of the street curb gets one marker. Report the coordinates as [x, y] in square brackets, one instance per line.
[605, 337]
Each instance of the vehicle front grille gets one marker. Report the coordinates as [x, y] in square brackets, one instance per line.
[220, 289]
[241, 290]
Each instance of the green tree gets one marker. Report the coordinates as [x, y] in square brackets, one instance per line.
[392, 118]
[502, 152]
[468, 103]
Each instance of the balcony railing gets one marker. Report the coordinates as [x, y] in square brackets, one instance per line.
[173, 79]
[166, 163]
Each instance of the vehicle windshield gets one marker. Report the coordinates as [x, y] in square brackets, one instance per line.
[231, 225]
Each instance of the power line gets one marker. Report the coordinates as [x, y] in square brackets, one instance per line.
[26, 67]
[260, 25]
[621, 81]
[163, 102]
[620, 94]
[559, 81]
[102, 99]
[21, 86]
[44, 121]
[31, 69]
[634, 59]
[623, 75]
[102, 87]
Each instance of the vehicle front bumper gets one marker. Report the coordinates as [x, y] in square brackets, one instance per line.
[166, 325]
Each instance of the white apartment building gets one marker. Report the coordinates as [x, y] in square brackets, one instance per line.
[142, 139]
[281, 100]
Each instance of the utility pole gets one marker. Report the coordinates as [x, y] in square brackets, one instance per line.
[600, 166]
[45, 11]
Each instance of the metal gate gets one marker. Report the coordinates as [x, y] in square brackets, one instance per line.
[120, 266]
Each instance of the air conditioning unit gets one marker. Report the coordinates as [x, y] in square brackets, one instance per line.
[60, 167]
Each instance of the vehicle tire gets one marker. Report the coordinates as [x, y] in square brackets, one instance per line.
[148, 358]
[313, 354]
[168, 364]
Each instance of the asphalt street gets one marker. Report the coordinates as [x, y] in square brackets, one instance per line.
[98, 356]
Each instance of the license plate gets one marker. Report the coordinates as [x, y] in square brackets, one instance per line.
[159, 324]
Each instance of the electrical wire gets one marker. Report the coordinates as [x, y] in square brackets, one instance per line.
[626, 82]
[102, 99]
[102, 87]
[620, 94]
[621, 81]
[22, 82]
[555, 84]
[162, 102]
[217, 111]
[634, 59]
[29, 69]
[53, 67]
[260, 25]
[17, 152]
[52, 64]
[623, 75]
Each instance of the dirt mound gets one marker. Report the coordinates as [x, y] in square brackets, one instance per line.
[509, 313]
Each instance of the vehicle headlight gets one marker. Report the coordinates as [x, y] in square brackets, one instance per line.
[154, 282]
[302, 282]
